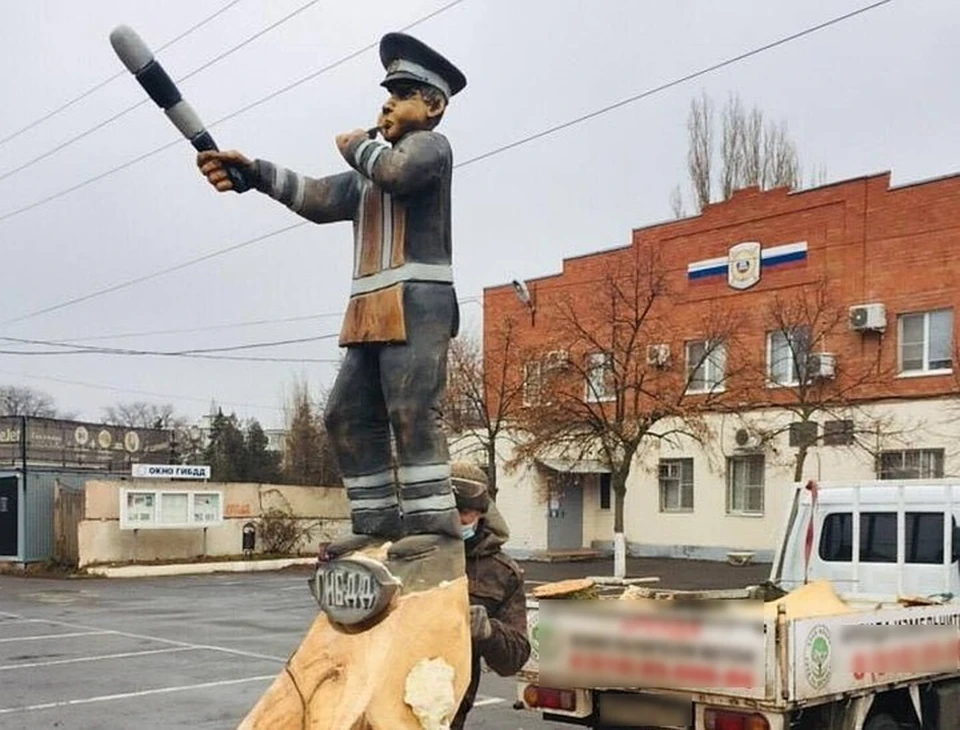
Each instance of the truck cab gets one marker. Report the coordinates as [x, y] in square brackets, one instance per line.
[879, 539]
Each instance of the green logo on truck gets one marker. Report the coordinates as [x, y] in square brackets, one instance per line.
[818, 657]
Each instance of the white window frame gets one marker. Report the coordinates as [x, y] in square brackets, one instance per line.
[924, 368]
[713, 365]
[926, 457]
[796, 363]
[599, 362]
[151, 518]
[737, 503]
[532, 383]
[679, 479]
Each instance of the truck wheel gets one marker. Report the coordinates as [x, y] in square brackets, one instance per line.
[881, 721]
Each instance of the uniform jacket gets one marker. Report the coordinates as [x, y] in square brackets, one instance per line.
[495, 582]
[399, 201]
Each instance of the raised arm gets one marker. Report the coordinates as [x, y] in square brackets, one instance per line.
[321, 200]
[420, 159]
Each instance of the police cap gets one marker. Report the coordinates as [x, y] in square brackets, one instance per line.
[407, 59]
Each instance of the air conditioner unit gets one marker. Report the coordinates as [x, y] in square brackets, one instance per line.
[658, 355]
[746, 439]
[556, 360]
[821, 365]
[868, 318]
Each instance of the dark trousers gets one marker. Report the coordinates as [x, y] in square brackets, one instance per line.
[398, 389]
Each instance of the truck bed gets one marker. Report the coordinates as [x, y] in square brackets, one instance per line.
[732, 647]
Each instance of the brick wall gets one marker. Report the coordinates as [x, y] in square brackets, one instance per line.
[865, 241]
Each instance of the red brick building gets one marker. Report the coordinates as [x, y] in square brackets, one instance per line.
[887, 260]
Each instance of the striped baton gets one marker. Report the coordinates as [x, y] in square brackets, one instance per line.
[139, 60]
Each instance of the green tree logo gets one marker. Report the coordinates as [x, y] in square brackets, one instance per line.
[818, 657]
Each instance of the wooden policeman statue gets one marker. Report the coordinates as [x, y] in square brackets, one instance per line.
[391, 649]
[402, 310]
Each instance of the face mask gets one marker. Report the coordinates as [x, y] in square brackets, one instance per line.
[468, 531]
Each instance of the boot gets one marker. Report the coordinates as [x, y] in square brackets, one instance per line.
[427, 533]
[422, 562]
[370, 527]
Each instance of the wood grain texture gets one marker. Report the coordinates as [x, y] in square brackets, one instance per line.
[375, 317]
[344, 678]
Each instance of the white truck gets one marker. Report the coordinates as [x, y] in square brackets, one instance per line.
[858, 628]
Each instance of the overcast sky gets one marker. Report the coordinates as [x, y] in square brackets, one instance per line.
[874, 93]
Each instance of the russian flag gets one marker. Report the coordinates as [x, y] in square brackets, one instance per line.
[787, 253]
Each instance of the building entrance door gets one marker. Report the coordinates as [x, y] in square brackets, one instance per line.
[9, 523]
[565, 516]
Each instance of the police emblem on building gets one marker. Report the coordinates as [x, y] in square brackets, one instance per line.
[743, 268]
[744, 262]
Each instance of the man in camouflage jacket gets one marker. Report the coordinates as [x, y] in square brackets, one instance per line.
[498, 613]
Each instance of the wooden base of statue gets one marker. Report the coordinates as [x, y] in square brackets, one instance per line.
[407, 670]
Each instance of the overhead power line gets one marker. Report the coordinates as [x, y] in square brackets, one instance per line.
[339, 62]
[197, 356]
[670, 84]
[133, 391]
[224, 326]
[146, 277]
[86, 133]
[478, 158]
[107, 173]
[87, 349]
[230, 51]
[231, 358]
[207, 328]
[96, 87]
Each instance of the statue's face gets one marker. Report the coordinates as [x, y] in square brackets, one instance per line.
[405, 110]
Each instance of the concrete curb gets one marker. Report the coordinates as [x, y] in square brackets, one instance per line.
[239, 566]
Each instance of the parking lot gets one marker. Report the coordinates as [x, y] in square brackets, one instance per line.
[197, 651]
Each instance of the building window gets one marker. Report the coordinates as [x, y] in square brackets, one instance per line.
[745, 484]
[923, 538]
[911, 464]
[599, 378]
[706, 365]
[926, 341]
[676, 485]
[787, 351]
[531, 383]
[604, 491]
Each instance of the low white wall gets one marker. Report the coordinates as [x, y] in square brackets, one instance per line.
[324, 509]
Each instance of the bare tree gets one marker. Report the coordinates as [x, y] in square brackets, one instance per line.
[700, 149]
[752, 151]
[676, 203]
[21, 401]
[140, 414]
[307, 457]
[804, 328]
[481, 397]
[623, 382]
